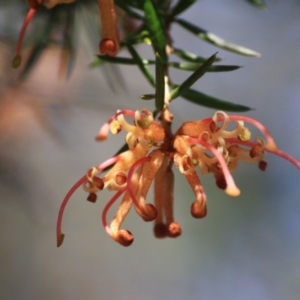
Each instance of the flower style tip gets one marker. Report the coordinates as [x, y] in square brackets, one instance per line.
[16, 62]
[81, 182]
[113, 125]
[271, 146]
[60, 239]
[109, 43]
[232, 191]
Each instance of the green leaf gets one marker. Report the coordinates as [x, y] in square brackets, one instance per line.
[160, 84]
[178, 65]
[135, 3]
[212, 102]
[139, 36]
[147, 97]
[194, 67]
[121, 60]
[123, 5]
[181, 6]
[193, 78]
[139, 62]
[216, 40]
[155, 28]
[191, 57]
[258, 3]
[97, 63]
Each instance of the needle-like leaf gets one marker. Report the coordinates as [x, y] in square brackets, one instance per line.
[141, 65]
[191, 57]
[156, 30]
[194, 67]
[212, 102]
[257, 3]
[181, 6]
[216, 40]
[193, 78]
[130, 12]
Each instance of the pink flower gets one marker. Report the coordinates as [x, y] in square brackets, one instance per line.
[153, 149]
[110, 42]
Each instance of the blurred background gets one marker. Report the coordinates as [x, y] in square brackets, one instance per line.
[246, 248]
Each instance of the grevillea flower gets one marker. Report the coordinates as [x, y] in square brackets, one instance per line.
[109, 43]
[207, 144]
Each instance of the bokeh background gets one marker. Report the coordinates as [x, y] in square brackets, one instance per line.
[246, 248]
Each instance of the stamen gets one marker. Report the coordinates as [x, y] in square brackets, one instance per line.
[237, 153]
[160, 230]
[276, 151]
[231, 188]
[98, 182]
[107, 207]
[110, 35]
[115, 127]
[104, 130]
[193, 154]
[256, 150]
[174, 229]
[262, 165]
[143, 118]
[121, 178]
[92, 197]
[245, 135]
[60, 236]
[198, 208]
[185, 164]
[33, 8]
[123, 236]
[270, 141]
[220, 133]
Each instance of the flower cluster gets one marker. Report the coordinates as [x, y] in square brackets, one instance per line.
[109, 43]
[153, 149]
